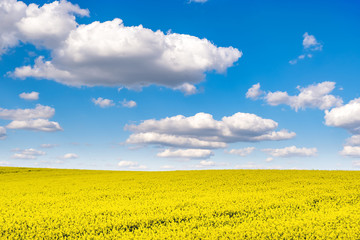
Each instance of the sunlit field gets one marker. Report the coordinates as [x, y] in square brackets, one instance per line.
[218, 204]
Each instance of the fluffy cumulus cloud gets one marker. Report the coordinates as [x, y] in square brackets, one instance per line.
[351, 151]
[29, 96]
[2, 133]
[35, 119]
[111, 54]
[45, 26]
[203, 132]
[353, 140]
[107, 53]
[11, 12]
[131, 165]
[43, 125]
[29, 153]
[172, 140]
[103, 102]
[203, 129]
[291, 152]
[242, 152]
[128, 104]
[312, 96]
[50, 24]
[347, 116]
[186, 153]
[39, 111]
[187, 89]
[310, 44]
[254, 92]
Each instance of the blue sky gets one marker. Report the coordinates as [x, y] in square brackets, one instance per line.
[171, 85]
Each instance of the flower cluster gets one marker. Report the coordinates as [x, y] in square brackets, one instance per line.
[221, 204]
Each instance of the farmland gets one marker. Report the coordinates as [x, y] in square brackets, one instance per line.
[217, 204]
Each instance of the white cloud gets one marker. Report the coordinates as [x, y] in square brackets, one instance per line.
[29, 153]
[172, 140]
[269, 159]
[353, 140]
[29, 96]
[31, 119]
[24, 114]
[47, 145]
[111, 54]
[277, 98]
[186, 153]
[35, 125]
[242, 152]
[45, 26]
[291, 152]
[254, 92]
[202, 131]
[108, 53]
[42, 69]
[351, 151]
[205, 163]
[301, 57]
[128, 104]
[347, 116]
[50, 24]
[187, 88]
[103, 102]
[2, 133]
[274, 136]
[131, 165]
[11, 11]
[312, 96]
[70, 156]
[310, 44]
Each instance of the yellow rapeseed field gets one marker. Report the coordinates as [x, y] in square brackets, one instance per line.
[219, 204]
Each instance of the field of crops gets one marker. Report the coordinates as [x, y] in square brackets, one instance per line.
[235, 204]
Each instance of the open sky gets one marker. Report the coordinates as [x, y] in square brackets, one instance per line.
[171, 85]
